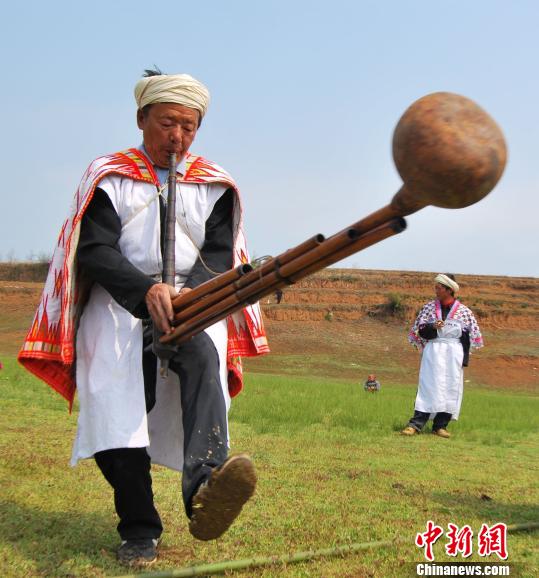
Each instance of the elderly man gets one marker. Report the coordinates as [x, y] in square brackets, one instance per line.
[103, 294]
[444, 330]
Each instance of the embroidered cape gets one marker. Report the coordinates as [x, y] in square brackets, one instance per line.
[432, 311]
[49, 348]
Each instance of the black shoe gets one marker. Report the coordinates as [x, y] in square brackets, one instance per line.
[218, 502]
[138, 553]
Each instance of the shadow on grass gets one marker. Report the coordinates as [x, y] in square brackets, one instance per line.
[57, 542]
[488, 509]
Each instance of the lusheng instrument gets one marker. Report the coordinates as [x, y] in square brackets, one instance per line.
[165, 351]
[449, 153]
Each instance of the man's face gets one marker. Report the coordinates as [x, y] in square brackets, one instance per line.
[168, 128]
[443, 293]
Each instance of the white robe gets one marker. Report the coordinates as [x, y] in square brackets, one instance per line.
[441, 373]
[109, 375]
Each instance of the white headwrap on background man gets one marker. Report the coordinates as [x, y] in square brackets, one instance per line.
[448, 282]
[176, 88]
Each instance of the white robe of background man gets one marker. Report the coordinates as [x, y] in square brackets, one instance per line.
[441, 372]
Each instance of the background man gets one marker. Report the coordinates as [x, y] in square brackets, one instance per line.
[444, 330]
[372, 385]
[105, 279]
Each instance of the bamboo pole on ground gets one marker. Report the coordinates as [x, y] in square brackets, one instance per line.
[259, 561]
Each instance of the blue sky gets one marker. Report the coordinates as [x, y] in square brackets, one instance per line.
[305, 96]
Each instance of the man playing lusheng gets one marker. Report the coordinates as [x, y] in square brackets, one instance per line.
[444, 330]
[102, 294]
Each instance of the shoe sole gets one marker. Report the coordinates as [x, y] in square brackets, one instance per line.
[218, 504]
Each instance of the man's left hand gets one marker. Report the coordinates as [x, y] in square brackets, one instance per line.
[159, 303]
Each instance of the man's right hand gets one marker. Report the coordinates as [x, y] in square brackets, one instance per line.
[159, 303]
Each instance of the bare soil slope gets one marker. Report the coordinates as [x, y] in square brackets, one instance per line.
[348, 323]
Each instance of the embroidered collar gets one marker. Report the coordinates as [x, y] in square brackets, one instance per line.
[452, 311]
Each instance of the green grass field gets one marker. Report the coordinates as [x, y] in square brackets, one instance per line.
[332, 471]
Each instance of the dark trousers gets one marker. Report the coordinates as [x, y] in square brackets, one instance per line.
[440, 421]
[205, 440]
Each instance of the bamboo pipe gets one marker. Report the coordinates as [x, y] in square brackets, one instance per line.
[163, 351]
[288, 275]
[303, 267]
[294, 256]
[273, 281]
[212, 285]
[398, 225]
[283, 259]
[209, 295]
[298, 257]
[169, 253]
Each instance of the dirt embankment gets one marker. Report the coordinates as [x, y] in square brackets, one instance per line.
[34, 272]
[345, 322]
[348, 294]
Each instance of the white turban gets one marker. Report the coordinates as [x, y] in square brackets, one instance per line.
[176, 88]
[445, 280]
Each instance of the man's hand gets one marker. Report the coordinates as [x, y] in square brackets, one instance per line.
[159, 303]
[184, 290]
